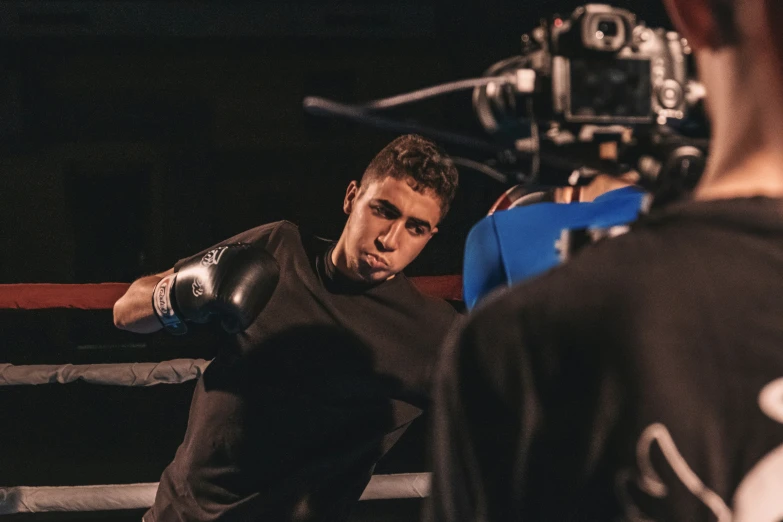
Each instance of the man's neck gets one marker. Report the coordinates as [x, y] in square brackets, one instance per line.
[340, 262]
[745, 106]
[757, 174]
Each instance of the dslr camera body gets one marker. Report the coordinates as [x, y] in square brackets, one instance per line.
[607, 68]
[598, 77]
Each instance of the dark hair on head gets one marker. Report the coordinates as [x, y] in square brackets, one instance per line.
[415, 157]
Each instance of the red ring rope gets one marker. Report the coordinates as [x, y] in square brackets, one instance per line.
[102, 296]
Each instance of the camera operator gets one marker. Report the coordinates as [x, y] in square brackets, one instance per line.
[643, 380]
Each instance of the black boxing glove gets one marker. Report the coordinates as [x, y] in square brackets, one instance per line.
[233, 282]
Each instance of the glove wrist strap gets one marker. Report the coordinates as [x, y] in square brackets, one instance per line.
[163, 305]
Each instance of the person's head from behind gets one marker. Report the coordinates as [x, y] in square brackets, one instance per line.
[739, 50]
[395, 209]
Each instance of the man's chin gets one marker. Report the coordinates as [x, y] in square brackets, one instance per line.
[376, 276]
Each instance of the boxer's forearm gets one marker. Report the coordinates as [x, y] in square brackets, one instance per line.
[133, 311]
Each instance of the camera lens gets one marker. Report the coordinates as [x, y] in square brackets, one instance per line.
[608, 28]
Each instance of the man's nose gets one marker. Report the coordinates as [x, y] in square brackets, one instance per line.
[389, 240]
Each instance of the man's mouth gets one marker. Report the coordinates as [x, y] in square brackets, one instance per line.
[376, 262]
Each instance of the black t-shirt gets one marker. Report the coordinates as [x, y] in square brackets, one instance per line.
[641, 381]
[290, 418]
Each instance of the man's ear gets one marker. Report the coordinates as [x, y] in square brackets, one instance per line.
[706, 24]
[351, 193]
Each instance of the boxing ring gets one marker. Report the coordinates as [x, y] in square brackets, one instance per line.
[108, 497]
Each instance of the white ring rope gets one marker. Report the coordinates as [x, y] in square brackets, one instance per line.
[120, 374]
[402, 485]
[24, 499]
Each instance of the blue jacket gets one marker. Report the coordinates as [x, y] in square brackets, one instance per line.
[516, 244]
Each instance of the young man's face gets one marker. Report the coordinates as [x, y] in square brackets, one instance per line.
[388, 225]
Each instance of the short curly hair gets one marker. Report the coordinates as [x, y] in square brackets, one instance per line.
[413, 156]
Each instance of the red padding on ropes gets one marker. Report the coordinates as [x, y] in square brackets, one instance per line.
[102, 296]
[445, 287]
[44, 295]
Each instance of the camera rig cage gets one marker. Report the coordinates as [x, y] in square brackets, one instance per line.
[597, 92]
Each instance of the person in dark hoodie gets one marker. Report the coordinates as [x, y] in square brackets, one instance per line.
[643, 379]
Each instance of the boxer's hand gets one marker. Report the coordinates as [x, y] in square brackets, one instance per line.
[232, 282]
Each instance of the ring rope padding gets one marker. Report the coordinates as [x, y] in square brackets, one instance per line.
[102, 296]
[109, 497]
[137, 374]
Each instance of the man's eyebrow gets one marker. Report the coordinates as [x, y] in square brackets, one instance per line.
[421, 223]
[390, 206]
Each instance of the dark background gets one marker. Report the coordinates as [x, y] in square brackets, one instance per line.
[133, 133]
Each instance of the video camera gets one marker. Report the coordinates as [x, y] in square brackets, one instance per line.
[598, 67]
[595, 92]
[599, 77]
